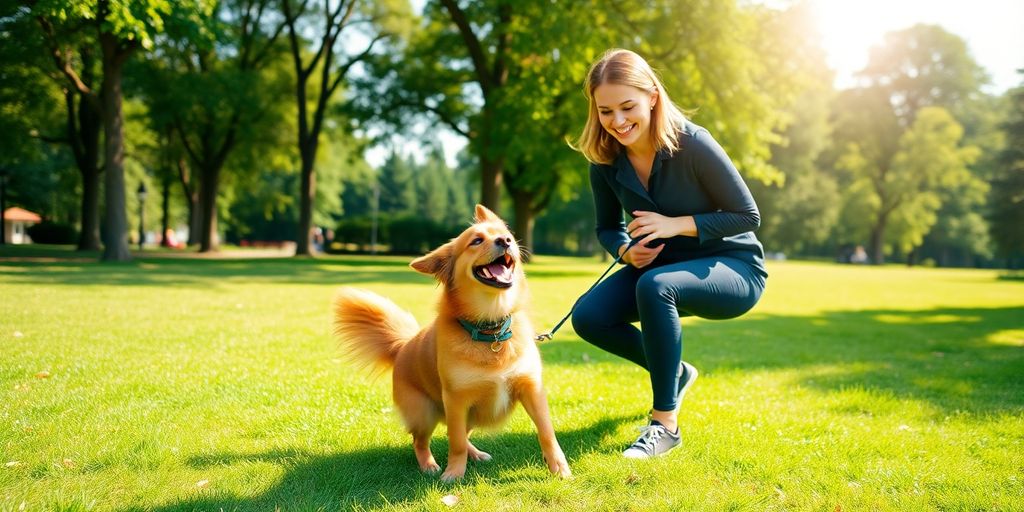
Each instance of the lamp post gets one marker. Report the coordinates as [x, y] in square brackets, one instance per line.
[3, 206]
[141, 193]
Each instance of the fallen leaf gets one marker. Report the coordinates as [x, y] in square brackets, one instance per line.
[451, 500]
[43, 375]
[632, 478]
[13, 464]
[839, 508]
[68, 463]
[202, 484]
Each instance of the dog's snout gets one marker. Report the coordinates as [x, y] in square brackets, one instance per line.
[503, 241]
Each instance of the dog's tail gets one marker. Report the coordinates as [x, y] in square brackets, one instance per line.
[370, 328]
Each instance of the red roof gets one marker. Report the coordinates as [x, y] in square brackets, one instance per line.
[17, 214]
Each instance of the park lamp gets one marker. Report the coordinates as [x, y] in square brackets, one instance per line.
[141, 194]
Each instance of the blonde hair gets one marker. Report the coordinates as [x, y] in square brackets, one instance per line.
[623, 67]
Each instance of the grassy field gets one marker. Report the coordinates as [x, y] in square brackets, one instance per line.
[169, 384]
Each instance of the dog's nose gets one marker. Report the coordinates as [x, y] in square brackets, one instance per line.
[503, 241]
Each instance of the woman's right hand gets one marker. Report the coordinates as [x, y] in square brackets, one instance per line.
[640, 255]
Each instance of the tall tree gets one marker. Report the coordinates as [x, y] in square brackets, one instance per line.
[27, 57]
[797, 212]
[329, 64]
[1007, 198]
[917, 67]
[925, 65]
[121, 29]
[203, 83]
[906, 194]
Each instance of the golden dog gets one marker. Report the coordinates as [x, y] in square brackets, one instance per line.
[465, 368]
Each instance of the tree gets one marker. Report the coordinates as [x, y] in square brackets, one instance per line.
[331, 31]
[397, 185]
[202, 85]
[1007, 197]
[121, 29]
[918, 67]
[799, 211]
[903, 193]
[31, 76]
[925, 65]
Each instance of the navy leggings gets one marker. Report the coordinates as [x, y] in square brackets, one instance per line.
[714, 288]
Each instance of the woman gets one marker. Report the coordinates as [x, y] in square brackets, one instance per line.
[692, 220]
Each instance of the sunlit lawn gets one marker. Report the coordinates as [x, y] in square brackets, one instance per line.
[207, 385]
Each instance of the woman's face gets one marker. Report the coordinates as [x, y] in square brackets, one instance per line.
[625, 112]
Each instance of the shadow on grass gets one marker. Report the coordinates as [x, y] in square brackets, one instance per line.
[210, 273]
[58, 265]
[375, 477]
[958, 360]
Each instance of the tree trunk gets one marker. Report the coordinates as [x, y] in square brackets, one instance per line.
[165, 208]
[89, 238]
[307, 195]
[876, 246]
[490, 167]
[115, 221]
[490, 183]
[89, 126]
[209, 180]
[188, 186]
[524, 222]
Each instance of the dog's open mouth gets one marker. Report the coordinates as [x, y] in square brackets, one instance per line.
[497, 273]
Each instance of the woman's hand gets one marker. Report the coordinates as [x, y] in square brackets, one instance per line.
[653, 226]
[640, 256]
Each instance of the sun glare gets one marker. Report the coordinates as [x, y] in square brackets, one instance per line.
[989, 27]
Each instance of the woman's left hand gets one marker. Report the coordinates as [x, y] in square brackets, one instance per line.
[653, 226]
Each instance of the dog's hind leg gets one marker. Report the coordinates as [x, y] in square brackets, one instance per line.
[421, 416]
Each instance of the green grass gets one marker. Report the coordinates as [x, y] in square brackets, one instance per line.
[847, 388]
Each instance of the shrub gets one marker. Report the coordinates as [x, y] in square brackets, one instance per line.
[53, 233]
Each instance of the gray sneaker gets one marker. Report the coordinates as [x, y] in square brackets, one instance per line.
[654, 440]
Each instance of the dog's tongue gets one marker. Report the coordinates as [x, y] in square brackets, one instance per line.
[500, 272]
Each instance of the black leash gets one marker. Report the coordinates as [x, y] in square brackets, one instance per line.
[551, 334]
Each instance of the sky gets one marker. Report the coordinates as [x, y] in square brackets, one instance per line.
[992, 29]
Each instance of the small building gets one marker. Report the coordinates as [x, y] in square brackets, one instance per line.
[16, 223]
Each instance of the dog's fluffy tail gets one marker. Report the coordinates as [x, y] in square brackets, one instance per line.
[371, 329]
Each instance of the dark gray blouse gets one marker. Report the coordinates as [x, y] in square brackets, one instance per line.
[698, 180]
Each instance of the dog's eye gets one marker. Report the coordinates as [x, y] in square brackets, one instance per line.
[477, 241]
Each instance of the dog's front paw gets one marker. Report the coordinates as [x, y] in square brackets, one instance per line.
[430, 467]
[558, 465]
[452, 474]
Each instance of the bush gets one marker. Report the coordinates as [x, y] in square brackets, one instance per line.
[403, 235]
[53, 233]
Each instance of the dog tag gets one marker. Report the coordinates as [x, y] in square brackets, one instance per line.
[496, 346]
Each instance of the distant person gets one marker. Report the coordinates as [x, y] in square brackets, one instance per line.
[859, 255]
[170, 240]
[693, 217]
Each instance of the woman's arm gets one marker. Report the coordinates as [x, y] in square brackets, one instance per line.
[737, 213]
[611, 229]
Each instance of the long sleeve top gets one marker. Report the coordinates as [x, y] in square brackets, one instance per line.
[698, 179]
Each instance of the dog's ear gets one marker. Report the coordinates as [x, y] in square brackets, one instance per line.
[437, 263]
[485, 215]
